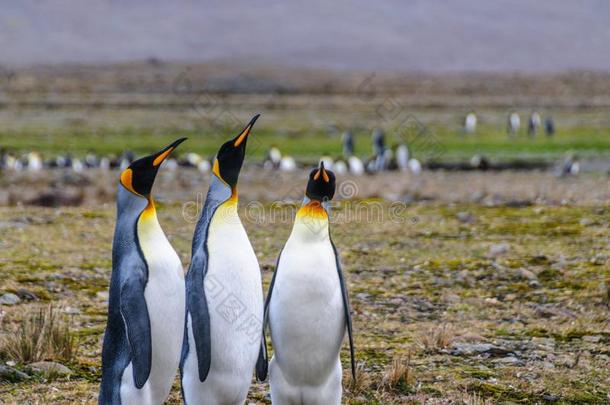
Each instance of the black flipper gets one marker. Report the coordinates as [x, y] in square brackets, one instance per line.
[137, 324]
[346, 306]
[197, 305]
[262, 364]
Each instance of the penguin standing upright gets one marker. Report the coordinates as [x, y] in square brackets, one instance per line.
[348, 144]
[224, 293]
[470, 123]
[307, 306]
[379, 150]
[141, 349]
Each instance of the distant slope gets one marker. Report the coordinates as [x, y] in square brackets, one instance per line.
[433, 35]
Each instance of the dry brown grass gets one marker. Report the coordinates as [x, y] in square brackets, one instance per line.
[474, 399]
[398, 376]
[43, 334]
[436, 338]
[361, 384]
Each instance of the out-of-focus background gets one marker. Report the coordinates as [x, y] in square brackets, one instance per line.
[471, 141]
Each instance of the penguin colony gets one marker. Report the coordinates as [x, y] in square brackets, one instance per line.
[210, 324]
[398, 157]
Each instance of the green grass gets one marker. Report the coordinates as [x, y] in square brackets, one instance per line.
[438, 143]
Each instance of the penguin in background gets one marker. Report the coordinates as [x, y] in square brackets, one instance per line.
[141, 349]
[224, 294]
[549, 126]
[307, 306]
[273, 158]
[379, 150]
[470, 123]
[513, 124]
[355, 165]
[402, 157]
[534, 122]
[347, 140]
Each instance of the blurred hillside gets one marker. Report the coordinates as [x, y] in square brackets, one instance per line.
[168, 83]
[386, 35]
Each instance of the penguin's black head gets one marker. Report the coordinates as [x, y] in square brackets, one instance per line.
[231, 155]
[321, 185]
[140, 175]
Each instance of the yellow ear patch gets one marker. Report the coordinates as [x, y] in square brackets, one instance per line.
[317, 175]
[216, 169]
[159, 159]
[126, 180]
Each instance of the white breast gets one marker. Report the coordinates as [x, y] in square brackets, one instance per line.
[306, 311]
[235, 298]
[165, 299]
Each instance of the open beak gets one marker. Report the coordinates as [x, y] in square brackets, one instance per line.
[321, 172]
[242, 136]
[162, 155]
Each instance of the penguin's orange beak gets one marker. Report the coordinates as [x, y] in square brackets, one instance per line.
[162, 155]
[322, 172]
[242, 136]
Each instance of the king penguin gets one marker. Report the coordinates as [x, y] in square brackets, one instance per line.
[307, 306]
[141, 349]
[224, 294]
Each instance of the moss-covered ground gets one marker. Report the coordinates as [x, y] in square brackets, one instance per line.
[491, 304]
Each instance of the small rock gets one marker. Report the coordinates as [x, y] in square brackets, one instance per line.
[9, 299]
[451, 298]
[464, 278]
[493, 302]
[548, 365]
[12, 375]
[526, 274]
[465, 217]
[545, 344]
[477, 196]
[598, 259]
[102, 295]
[510, 360]
[52, 286]
[585, 222]
[363, 296]
[26, 295]
[49, 368]
[72, 311]
[592, 339]
[471, 337]
[467, 349]
[498, 249]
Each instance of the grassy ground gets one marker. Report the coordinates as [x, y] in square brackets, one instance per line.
[430, 285]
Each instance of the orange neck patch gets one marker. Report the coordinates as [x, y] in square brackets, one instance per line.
[312, 209]
[150, 210]
[233, 200]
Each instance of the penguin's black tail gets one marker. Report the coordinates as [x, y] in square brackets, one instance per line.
[262, 364]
